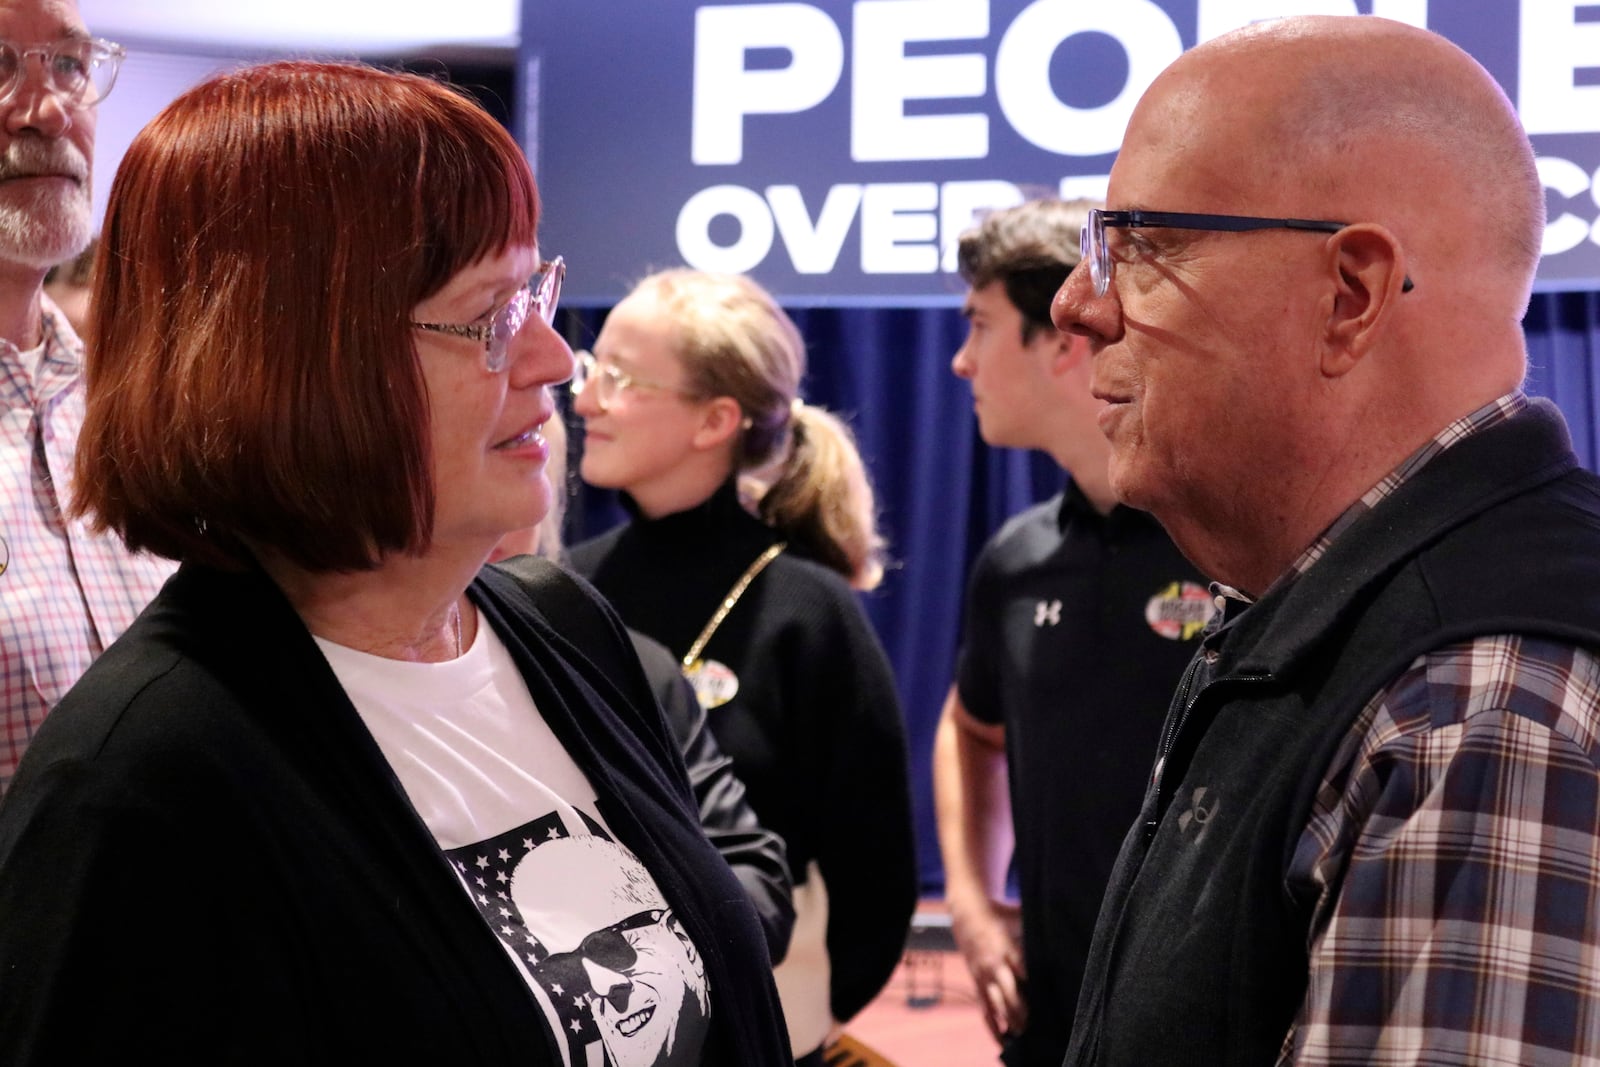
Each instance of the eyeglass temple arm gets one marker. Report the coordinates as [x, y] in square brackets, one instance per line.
[1228, 223]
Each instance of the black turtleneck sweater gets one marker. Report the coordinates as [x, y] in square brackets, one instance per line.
[814, 731]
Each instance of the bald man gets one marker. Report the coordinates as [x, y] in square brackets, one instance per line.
[1372, 833]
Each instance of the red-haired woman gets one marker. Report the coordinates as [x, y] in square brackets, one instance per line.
[338, 795]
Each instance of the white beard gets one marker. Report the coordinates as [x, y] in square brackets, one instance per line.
[47, 222]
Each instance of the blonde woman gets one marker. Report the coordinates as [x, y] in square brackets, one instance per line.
[693, 389]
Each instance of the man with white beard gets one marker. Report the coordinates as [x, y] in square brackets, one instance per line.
[65, 591]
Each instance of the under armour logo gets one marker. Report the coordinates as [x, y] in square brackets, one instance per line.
[1203, 805]
[1047, 612]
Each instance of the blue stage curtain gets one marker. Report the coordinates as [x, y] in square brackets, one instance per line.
[1563, 331]
[942, 492]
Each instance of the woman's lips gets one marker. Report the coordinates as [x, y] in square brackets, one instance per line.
[531, 437]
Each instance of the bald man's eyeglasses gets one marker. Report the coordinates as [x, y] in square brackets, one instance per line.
[1098, 254]
[79, 71]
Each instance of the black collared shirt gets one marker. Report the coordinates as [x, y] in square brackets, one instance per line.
[1077, 628]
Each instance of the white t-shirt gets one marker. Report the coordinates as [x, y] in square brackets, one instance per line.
[616, 974]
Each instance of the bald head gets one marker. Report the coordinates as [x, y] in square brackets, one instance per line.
[1260, 381]
[1380, 120]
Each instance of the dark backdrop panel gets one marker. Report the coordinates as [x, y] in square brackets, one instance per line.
[942, 492]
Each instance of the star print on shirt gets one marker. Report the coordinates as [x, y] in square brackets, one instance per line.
[495, 860]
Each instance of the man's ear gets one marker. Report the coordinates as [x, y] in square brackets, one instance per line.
[1069, 351]
[721, 421]
[1368, 270]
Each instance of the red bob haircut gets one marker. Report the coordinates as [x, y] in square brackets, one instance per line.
[252, 377]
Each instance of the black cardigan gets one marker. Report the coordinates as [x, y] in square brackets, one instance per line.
[815, 732]
[755, 853]
[204, 856]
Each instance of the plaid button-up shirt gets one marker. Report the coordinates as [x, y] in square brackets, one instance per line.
[65, 594]
[1454, 847]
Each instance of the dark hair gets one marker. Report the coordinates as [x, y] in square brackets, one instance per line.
[1030, 249]
[253, 376]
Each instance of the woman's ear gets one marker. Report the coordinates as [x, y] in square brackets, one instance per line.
[721, 422]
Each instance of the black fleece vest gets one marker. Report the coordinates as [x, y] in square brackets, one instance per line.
[1199, 955]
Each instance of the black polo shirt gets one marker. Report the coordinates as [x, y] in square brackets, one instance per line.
[1077, 627]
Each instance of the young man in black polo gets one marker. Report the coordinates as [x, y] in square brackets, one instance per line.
[1080, 617]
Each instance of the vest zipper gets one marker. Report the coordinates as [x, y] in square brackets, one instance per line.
[1185, 700]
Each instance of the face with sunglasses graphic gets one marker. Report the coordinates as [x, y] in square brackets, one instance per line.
[608, 945]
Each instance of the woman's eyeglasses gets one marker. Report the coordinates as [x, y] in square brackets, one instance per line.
[538, 297]
[609, 379]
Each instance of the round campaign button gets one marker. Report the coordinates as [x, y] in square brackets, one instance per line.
[1179, 611]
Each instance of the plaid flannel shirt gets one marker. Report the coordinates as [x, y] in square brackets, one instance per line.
[65, 594]
[1454, 847]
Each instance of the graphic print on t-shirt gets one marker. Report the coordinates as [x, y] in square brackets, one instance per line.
[587, 922]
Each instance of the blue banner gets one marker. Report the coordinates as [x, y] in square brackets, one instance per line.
[834, 150]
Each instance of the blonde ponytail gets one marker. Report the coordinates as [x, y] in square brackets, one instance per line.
[822, 500]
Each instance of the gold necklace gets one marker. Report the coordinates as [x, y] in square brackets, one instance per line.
[691, 658]
[457, 617]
